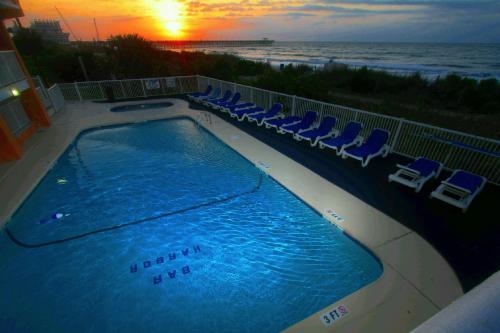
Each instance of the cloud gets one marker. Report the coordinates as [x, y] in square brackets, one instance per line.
[358, 20]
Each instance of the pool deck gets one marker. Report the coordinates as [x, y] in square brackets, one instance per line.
[416, 282]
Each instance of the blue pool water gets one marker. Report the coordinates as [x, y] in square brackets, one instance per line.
[139, 107]
[160, 227]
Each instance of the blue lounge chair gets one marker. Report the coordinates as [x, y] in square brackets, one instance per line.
[305, 123]
[375, 145]
[460, 189]
[239, 106]
[260, 118]
[215, 94]
[242, 113]
[233, 101]
[199, 94]
[277, 123]
[323, 131]
[225, 98]
[349, 137]
[417, 173]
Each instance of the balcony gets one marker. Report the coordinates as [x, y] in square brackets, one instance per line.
[12, 78]
[13, 4]
[10, 9]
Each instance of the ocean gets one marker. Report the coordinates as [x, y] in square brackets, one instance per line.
[431, 60]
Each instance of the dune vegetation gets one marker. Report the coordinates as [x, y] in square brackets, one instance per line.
[454, 102]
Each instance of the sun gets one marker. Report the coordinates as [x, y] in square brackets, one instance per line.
[170, 14]
[174, 28]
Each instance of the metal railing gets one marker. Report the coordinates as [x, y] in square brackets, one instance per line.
[14, 115]
[10, 70]
[44, 95]
[456, 150]
[52, 98]
[56, 97]
[124, 89]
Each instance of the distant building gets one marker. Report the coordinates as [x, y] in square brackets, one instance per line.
[50, 30]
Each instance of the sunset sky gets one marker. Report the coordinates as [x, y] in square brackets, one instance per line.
[323, 20]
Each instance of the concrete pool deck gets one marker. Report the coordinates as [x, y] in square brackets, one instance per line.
[416, 283]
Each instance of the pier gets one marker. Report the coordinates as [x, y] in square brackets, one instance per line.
[196, 44]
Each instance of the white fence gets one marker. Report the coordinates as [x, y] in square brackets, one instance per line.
[455, 149]
[52, 98]
[122, 89]
[56, 97]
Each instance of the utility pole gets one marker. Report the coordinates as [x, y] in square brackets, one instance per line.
[84, 70]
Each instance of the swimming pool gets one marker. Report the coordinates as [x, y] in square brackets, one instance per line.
[139, 107]
[159, 225]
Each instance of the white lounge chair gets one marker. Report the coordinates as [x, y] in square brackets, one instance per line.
[375, 145]
[325, 130]
[417, 173]
[348, 138]
[460, 189]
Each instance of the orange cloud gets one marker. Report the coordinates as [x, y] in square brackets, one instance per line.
[154, 19]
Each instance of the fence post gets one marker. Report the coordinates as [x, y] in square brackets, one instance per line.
[293, 105]
[251, 95]
[396, 135]
[102, 91]
[270, 100]
[50, 98]
[180, 85]
[143, 88]
[198, 82]
[40, 82]
[163, 83]
[447, 158]
[78, 91]
[123, 89]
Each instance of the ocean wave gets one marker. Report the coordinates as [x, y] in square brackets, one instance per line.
[431, 60]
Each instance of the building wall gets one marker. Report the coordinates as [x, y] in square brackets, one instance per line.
[50, 30]
[11, 143]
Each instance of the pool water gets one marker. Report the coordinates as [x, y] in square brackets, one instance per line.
[139, 107]
[160, 227]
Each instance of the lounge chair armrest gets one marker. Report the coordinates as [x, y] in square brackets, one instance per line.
[404, 167]
[307, 129]
[456, 187]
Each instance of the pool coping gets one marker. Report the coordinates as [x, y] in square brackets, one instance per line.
[416, 281]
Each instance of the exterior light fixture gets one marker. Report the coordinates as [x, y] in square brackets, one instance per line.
[14, 92]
